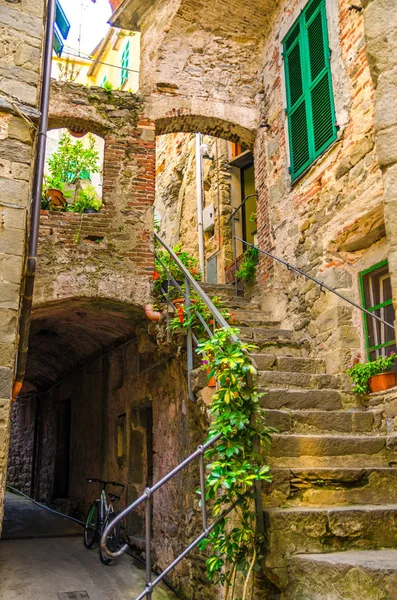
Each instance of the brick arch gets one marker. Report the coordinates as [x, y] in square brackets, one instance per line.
[216, 127]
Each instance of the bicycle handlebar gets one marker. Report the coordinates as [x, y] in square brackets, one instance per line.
[96, 480]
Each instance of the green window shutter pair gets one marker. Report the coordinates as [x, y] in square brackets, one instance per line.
[310, 103]
[125, 63]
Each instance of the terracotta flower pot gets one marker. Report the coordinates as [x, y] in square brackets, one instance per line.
[178, 302]
[212, 381]
[382, 382]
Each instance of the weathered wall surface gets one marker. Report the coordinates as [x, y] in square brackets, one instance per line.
[330, 222]
[380, 18]
[106, 254]
[144, 391]
[21, 30]
[176, 195]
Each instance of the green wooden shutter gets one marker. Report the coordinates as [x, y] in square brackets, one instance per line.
[310, 106]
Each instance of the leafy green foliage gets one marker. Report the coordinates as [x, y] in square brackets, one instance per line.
[247, 270]
[361, 373]
[86, 198]
[72, 160]
[188, 317]
[160, 273]
[236, 461]
[53, 182]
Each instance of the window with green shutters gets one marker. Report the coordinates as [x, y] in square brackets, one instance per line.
[125, 63]
[376, 296]
[310, 103]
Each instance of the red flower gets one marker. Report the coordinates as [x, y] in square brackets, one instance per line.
[155, 275]
[180, 314]
[211, 321]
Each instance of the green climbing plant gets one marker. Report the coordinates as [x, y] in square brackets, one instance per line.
[247, 269]
[235, 463]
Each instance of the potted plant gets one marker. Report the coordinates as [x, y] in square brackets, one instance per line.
[55, 195]
[87, 201]
[163, 264]
[374, 376]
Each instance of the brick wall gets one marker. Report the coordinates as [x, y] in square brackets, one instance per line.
[21, 30]
[108, 254]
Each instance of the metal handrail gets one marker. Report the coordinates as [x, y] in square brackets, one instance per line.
[317, 281]
[147, 496]
[235, 238]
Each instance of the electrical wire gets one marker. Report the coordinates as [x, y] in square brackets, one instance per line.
[76, 54]
[51, 510]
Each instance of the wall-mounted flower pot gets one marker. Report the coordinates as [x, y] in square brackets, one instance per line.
[178, 302]
[382, 382]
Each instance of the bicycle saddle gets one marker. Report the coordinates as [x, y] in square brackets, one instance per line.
[113, 497]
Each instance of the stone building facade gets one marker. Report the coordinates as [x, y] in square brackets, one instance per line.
[21, 33]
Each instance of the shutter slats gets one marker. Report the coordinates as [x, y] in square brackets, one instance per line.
[315, 37]
[323, 122]
[299, 138]
[295, 75]
[310, 108]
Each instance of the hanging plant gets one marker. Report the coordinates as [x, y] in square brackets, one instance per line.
[236, 462]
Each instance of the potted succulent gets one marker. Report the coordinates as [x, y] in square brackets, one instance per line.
[373, 376]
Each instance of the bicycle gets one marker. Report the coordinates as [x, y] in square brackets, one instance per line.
[101, 513]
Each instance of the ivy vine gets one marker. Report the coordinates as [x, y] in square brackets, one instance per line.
[235, 463]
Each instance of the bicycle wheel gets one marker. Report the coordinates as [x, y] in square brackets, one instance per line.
[91, 526]
[112, 541]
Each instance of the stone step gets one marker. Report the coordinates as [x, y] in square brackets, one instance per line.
[320, 421]
[266, 362]
[218, 289]
[254, 318]
[242, 304]
[300, 530]
[294, 450]
[331, 486]
[281, 398]
[275, 379]
[355, 574]
[257, 335]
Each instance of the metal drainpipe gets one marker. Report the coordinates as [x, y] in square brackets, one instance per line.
[199, 188]
[26, 308]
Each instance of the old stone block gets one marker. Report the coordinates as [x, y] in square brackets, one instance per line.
[25, 92]
[19, 171]
[12, 241]
[386, 143]
[5, 382]
[386, 93]
[380, 18]
[360, 149]
[19, 130]
[382, 53]
[390, 184]
[7, 353]
[334, 317]
[8, 327]
[9, 295]
[28, 57]
[11, 268]
[15, 151]
[336, 278]
[343, 168]
[16, 19]
[13, 218]
[14, 192]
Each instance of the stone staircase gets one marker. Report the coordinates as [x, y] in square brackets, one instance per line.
[331, 511]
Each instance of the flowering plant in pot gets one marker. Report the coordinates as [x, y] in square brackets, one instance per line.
[185, 317]
[374, 376]
[164, 263]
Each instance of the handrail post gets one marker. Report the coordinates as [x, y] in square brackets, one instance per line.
[189, 343]
[235, 253]
[148, 532]
[202, 489]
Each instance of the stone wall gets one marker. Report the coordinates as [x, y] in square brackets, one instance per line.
[330, 221]
[143, 390]
[107, 254]
[380, 18]
[21, 31]
[176, 195]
